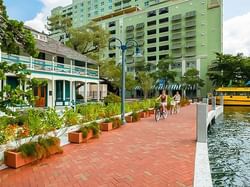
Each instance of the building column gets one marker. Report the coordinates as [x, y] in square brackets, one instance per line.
[86, 92]
[4, 84]
[183, 66]
[98, 91]
[71, 92]
[53, 93]
[64, 92]
[198, 67]
[74, 91]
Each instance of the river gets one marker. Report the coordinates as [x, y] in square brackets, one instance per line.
[229, 148]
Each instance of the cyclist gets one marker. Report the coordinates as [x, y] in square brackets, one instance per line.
[177, 98]
[163, 97]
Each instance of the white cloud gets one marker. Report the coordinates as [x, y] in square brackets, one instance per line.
[40, 19]
[237, 35]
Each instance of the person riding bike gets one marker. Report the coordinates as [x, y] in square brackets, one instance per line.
[163, 97]
[177, 98]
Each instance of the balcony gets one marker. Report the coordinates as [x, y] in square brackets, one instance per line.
[190, 34]
[140, 26]
[190, 24]
[190, 44]
[176, 27]
[130, 36]
[176, 18]
[140, 34]
[176, 36]
[50, 67]
[176, 46]
[191, 14]
[130, 28]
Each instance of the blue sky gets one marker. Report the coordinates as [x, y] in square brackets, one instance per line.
[23, 9]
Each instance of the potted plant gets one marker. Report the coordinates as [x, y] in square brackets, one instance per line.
[116, 123]
[85, 133]
[32, 151]
[135, 116]
[129, 119]
[106, 125]
[39, 144]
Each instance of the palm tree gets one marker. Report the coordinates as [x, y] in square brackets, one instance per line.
[145, 81]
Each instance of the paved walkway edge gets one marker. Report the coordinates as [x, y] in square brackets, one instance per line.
[202, 172]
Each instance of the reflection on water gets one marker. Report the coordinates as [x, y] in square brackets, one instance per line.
[229, 148]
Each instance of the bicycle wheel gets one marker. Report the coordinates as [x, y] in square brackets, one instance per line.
[164, 115]
[157, 114]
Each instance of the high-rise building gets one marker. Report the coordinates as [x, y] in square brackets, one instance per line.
[190, 31]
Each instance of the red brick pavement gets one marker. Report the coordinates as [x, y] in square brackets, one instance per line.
[145, 153]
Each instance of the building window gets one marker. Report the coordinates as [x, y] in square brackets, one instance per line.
[152, 49]
[152, 13]
[111, 24]
[152, 40]
[112, 55]
[146, 3]
[112, 32]
[163, 57]
[163, 38]
[150, 32]
[151, 58]
[163, 20]
[150, 23]
[163, 10]
[164, 29]
[164, 47]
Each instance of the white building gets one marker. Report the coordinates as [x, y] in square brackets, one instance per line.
[71, 77]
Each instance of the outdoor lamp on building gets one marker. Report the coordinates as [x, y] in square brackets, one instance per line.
[124, 47]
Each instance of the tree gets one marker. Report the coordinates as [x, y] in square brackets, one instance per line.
[13, 36]
[163, 71]
[88, 40]
[110, 72]
[191, 78]
[58, 22]
[145, 81]
[12, 97]
[229, 70]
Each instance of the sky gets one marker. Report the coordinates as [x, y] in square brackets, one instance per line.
[236, 26]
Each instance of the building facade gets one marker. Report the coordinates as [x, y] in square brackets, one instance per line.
[70, 76]
[190, 31]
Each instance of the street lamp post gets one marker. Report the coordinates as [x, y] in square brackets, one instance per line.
[123, 47]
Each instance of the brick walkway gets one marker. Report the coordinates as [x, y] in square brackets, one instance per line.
[145, 153]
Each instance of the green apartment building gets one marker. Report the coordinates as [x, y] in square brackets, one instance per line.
[190, 31]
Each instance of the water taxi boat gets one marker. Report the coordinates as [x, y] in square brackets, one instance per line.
[238, 96]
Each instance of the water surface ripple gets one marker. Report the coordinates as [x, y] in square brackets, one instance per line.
[229, 148]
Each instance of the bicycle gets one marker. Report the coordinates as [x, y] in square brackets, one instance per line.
[160, 113]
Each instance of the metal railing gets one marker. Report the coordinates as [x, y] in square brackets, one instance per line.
[49, 66]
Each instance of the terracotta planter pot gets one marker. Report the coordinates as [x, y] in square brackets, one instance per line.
[143, 114]
[129, 119]
[76, 137]
[152, 111]
[106, 126]
[16, 159]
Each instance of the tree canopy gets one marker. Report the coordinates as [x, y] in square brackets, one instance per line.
[191, 78]
[163, 71]
[88, 39]
[13, 36]
[145, 81]
[229, 70]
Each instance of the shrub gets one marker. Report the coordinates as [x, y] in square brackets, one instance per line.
[52, 120]
[135, 116]
[112, 98]
[70, 117]
[40, 149]
[93, 126]
[116, 123]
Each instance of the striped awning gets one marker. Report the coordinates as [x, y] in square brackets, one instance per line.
[137, 88]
